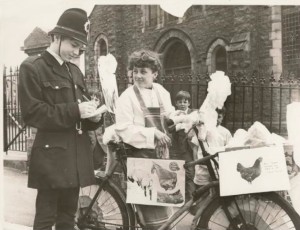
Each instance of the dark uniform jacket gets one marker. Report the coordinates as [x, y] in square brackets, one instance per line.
[61, 157]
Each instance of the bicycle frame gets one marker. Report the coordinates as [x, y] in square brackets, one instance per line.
[119, 158]
[199, 197]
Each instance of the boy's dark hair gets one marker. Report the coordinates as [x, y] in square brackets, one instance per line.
[183, 95]
[145, 59]
[62, 37]
[221, 111]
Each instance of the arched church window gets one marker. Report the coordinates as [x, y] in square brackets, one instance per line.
[177, 59]
[221, 59]
[102, 48]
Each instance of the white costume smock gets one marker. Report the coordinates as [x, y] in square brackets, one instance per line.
[130, 126]
[130, 121]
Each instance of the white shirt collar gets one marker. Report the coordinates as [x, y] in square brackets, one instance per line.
[57, 57]
[145, 89]
[185, 111]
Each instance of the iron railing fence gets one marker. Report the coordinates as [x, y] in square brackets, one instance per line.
[15, 133]
[261, 97]
[255, 96]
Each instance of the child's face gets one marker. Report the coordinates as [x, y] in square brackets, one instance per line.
[220, 119]
[143, 77]
[182, 104]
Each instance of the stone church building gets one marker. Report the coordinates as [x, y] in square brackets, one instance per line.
[258, 47]
[207, 38]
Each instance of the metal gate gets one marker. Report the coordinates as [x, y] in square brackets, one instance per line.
[15, 133]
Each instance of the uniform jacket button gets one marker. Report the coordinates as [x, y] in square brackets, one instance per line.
[46, 146]
[57, 87]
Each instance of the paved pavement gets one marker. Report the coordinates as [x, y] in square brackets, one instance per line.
[19, 201]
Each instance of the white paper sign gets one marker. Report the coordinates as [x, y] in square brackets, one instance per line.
[253, 170]
[155, 182]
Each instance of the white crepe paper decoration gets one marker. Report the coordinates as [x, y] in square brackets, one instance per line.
[107, 66]
[219, 88]
[293, 128]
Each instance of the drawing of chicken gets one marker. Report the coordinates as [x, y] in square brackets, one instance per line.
[167, 179]
[250, 173]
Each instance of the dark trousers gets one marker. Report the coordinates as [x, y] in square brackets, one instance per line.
[98, 157]
[190, 186]
[189, 172]
[56, 207]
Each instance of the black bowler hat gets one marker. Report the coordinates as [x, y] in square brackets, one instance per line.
[72, 23]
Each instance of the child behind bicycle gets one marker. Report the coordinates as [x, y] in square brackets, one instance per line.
[181, 148]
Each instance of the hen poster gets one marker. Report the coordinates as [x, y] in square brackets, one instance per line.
[253, 170]
[155, 182]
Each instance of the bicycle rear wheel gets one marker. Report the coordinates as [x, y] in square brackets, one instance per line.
[109, 210]
[261, 211]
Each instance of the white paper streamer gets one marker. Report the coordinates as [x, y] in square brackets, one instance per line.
[107, 66]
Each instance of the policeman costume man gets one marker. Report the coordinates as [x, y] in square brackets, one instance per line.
[52, 97]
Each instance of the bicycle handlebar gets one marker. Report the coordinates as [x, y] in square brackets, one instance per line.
[123, 146]
[200, 161]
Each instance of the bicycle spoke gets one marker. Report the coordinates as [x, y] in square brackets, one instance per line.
[253, 211]
[108, 210]
[249, 206]
[220, 215]
[219, 224]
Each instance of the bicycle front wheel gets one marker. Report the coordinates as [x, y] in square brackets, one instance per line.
[108, 212]
[261, 211]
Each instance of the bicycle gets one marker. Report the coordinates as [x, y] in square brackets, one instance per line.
[105, 205]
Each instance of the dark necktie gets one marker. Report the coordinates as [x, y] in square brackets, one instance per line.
[65, 64]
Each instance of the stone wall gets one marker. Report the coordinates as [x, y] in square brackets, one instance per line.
[127, 30]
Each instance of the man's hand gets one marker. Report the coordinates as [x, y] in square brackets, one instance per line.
[98, 113]
[87, 108]
[96, 118]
